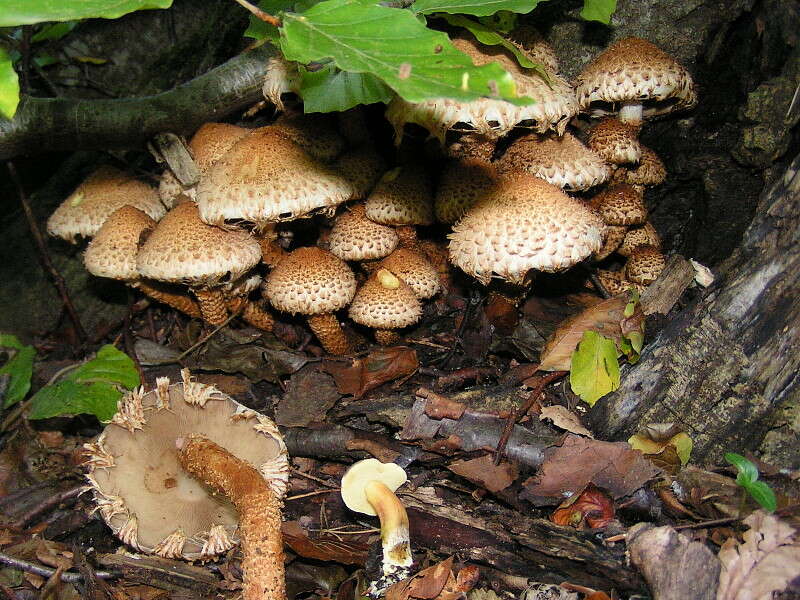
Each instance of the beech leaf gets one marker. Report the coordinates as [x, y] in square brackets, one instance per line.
[19, 368]
[594, 371]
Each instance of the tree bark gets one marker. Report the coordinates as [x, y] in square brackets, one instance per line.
[727, 367]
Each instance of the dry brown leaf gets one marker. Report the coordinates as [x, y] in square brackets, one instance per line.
[578, 461]
[429, 582]
[341, 551]
[767, 561]
[564, 418]
[484, 473]
[375, 369]
[309, 395]
[593, 508]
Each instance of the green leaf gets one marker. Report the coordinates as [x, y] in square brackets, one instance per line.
[594, 371]
[260, 30]
[748, 472]
[25, 12]
[504, 21]
[71, 398]
[329, 89]
[598, 10]
[109, 366]
[19, 368]
[762, 494]
[416, 62]
[479, 8]
[486, 35]
[9, 86]
[54, 31]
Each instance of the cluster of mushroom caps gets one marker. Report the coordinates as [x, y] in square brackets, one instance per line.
[184, 471]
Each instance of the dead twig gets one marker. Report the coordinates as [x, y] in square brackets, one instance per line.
[29, 567]
[48, 503]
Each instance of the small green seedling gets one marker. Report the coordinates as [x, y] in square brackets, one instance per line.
[748, 480]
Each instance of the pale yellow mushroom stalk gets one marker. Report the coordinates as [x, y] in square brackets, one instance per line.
[368, 487]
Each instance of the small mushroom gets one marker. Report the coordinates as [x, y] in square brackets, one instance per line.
[362, 167]
[611, 241]
[237, 297]
[649, 172]
[404, 196]
[355, 237]
[535, 46]
[620, 204]
[368, 487]
[385, 303]
[415, 269]
[616, 142]
[645, 265]
[282, 78]
[462, 183]
[315, 133]
[646, 235]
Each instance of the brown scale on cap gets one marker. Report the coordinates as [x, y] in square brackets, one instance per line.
[265, 178]
[616, 142]
[563, 161]
[183, 249]
[650, 171]
[555, 101]
[416, 270]
[314, 133]
[362, 168]
[646, 235]
[104, 191]
[314, 283]
[473, 145]
[620, 204]
[355, 237]
[525, 223]
[403, 197]
[385, 303]
[612, 240]
[461, 184]
[538, 49]
[645, 264]
[636, 78]
[615, 282]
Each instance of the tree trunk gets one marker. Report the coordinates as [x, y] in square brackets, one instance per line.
[726, 368]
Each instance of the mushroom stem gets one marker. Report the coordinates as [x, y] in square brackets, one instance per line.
[252, 313]
[259, 513]
[330, 334]
[181, 302]
[395, 539]
[631, 112]
[212, 305]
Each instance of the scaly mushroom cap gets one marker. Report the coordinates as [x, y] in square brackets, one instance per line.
[355, 480]
[646, 235]
[362, 168]
[524, 223]
[265, 177]
[402, 197]
[555, 102]
[614, 281]
[183, 249]
[355, 237]
[633, 69]
[140, 489]
[472, 146]
[416, 270]
[538, 49]
[310, 281]
[314, 133]
[620, 204]
[112, 251]
[615, 142]
[385, 302]
[282, 78]
[563, 161]
[650, 171]
[104, 191]
[462, 183]
[645, 265]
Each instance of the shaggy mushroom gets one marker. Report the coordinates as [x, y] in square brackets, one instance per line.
[362, 168]
[315, 283]
[620, 204]
[355, 237]
[462, 183]
[368, 487]
[402, 197]
[315, 133]
[649, 172]
[385, 303]
[416, 270]
[644, 265]
[615, 142]
[646, 235]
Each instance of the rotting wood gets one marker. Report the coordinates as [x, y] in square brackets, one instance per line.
[661, 295]
[161, 573]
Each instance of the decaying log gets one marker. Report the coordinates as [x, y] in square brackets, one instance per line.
[162, 573]
[728, 365]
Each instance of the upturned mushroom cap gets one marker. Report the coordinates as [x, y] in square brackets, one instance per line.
[112, 251]
[314, 133]
[462, 183]
[385, 302]
[357, 477]
[282, 78]
[362, 168]
[183, 249]
[104, 191]
[310, 281]
[615, 142]
[403, 197]
[646, 235]
[524, 223]
[650, 170]
[416, 270]
[265, 177]
[620, 204]
[140, 489]
[555, 102]
[355, 237]
[563, 161]
[645, 264]
[633, 69]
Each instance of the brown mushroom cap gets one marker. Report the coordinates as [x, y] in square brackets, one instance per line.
[104, 191]
[524, 223]
[402, 197]
[112, 251]
[183, 249]
[385, 302]
[615, 142]
[473, 146]
[615, 282]
[355, 237]
[142, 492]
[563, 161]
[310, 281]
[462, 183]
[645, 264]
[555, 101]
[620, 204]
[416, 270]
[646, 235]
[611, 241]
[633, 69]
[362, 168]
[650, 170]
[265, 177]
[314, 133]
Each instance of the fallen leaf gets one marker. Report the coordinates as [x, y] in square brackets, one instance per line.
[309, 395]
[328, 549]
[484, 473]
[768, 560]
[594, 369]
[564, 418]
[569, 468]
[501, 313]
[592, 507]
[428, 583]
[375, 369]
